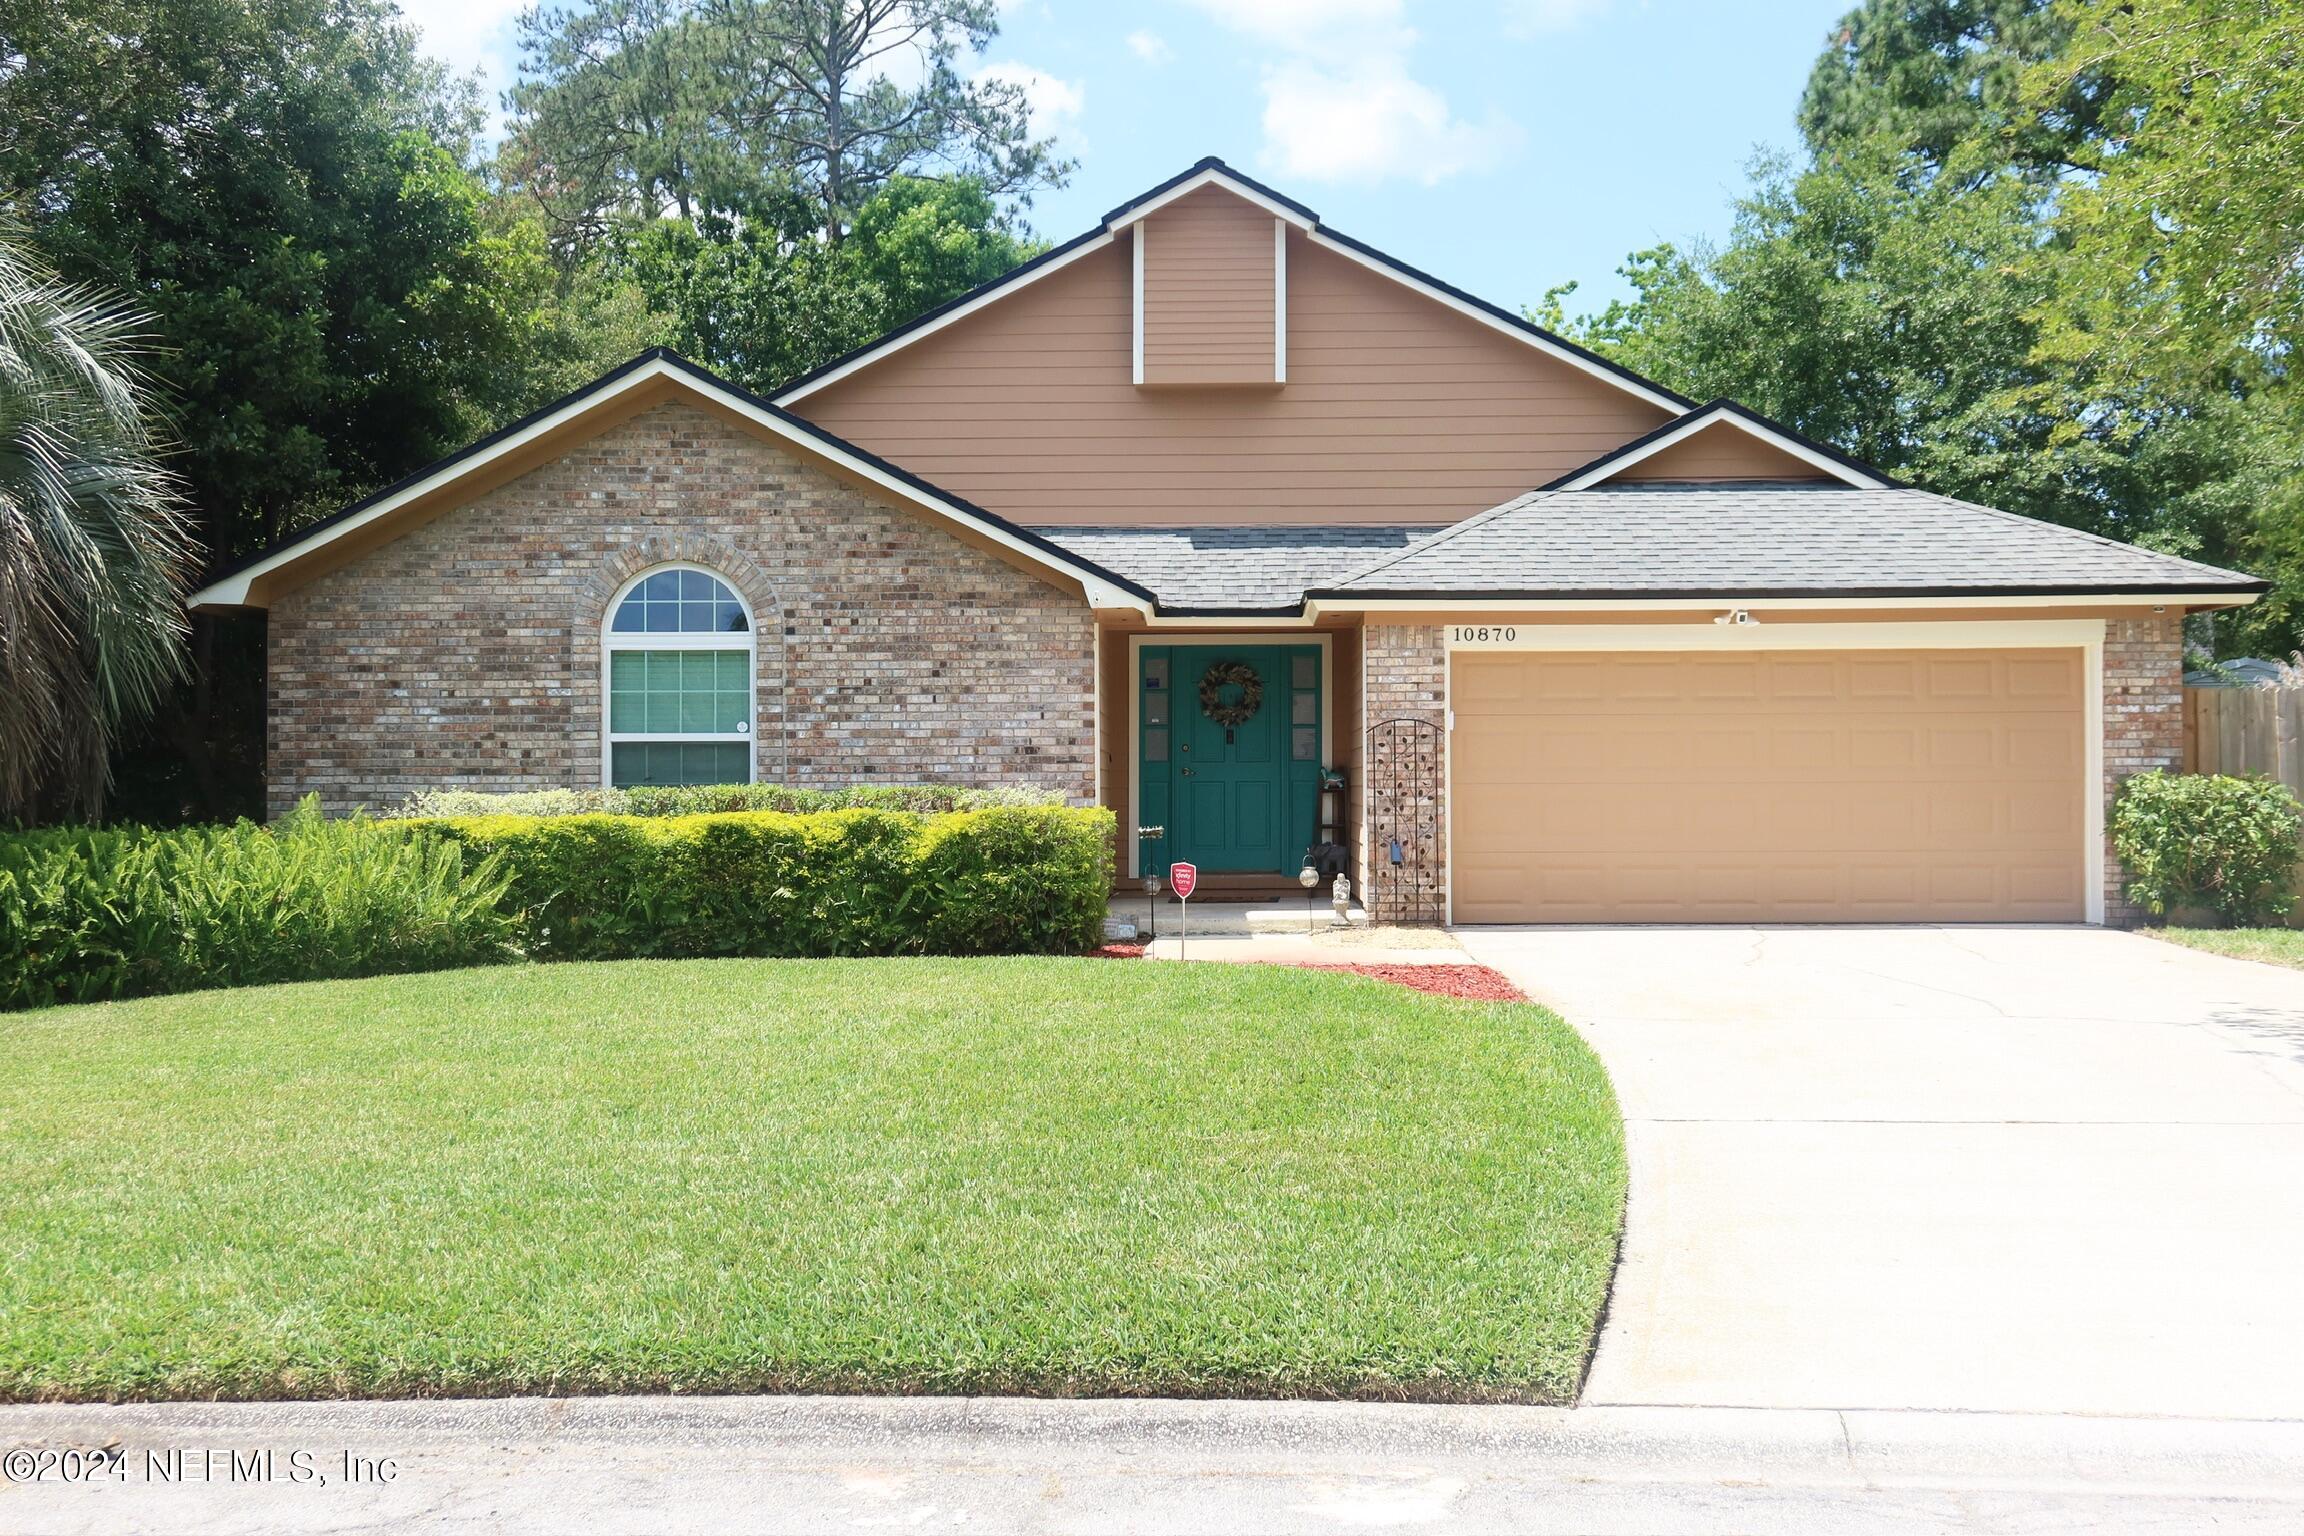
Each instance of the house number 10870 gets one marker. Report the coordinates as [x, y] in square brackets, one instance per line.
[1483, 634]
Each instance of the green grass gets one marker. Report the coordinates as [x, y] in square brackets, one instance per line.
[1027, 1175]
[2273, 946]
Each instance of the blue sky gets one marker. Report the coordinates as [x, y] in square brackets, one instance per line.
[1505, 145]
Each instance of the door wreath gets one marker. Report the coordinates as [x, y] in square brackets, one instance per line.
[1225, 674]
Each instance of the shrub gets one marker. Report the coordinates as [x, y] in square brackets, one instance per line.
[88, 914]
[704, 799]
[2229, 844]
[1018, 879]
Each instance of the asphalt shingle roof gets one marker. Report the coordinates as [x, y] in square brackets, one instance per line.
[1763, 539]
[1236, 569]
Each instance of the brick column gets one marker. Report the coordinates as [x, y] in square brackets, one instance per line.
[1404, 772]
[2143, 722]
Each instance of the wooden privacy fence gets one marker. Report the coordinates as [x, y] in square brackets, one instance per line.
[2246, 730]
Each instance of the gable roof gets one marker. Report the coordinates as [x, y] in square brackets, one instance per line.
[252, 582]
[1723, 539]
[1723, 414]
[1211, 171]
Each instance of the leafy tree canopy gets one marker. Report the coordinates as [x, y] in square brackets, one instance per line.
[279, 181]
[1932, 78]
[732, 109]
[1963, 278]
[764, 305]
[2186, 232]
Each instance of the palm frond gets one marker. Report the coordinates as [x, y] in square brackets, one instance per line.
[96, 550]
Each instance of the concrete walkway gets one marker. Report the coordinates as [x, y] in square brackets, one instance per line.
[610, 1466]
[2029, 1169]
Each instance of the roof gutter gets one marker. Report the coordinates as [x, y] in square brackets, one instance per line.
[1333, 604]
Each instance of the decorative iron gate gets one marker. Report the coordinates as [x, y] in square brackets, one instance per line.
[1404, 874]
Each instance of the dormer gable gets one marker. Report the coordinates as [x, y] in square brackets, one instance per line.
[1722, 443]
[1210, 293]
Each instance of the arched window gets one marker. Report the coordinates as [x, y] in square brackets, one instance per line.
[679, 648]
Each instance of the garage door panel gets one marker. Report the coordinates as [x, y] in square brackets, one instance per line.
[1726, 681]
[1966, 680]
[2039, 817]
[1785, 786]
[2051, 753]
[2044, 678]
[1799, 748]
[1889, 818]
[1958, 818]
[2043, 885]
[1494, 689]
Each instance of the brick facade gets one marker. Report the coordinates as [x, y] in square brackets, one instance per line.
[466, 653]
[2143, 720]
[1404, 773]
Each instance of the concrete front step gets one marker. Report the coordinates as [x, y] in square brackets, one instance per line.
[1129, 921]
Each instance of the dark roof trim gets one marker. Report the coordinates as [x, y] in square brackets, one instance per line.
[1721, 405]
[799, 424]
[289, 541]
[1517, 322]
[1618, 594]
[930, 317]
[1203, 164]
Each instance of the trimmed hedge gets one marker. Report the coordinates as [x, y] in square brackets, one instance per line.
[706, 799]
[859, 882]
[87, 914]
[2207, 840]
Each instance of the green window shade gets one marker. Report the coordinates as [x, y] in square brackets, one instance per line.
[660, 693]
[679, 762]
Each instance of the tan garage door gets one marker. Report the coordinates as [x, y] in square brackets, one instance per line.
[1768, 786]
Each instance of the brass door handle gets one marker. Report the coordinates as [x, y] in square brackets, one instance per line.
[1187, 773]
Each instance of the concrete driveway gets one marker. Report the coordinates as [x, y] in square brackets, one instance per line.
[2022, 1169]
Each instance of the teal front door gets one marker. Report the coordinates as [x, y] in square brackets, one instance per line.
[1236, 795]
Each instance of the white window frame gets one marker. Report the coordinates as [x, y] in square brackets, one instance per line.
[613, 640]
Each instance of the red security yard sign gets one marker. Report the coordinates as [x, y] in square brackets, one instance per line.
[1183, 879]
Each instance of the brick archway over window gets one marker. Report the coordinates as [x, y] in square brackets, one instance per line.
[771, 678]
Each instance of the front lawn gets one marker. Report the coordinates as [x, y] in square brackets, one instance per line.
[2273, 946]
[1008, 1175]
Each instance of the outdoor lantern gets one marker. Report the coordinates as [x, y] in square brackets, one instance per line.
[1151, 906]
[1309, 878]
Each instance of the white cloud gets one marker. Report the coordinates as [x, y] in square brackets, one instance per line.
[1305, 25]
[1340, 102]
[1055, 105]
[1374, 124]
[468, 35]
[1528, 18]
[1150, 47]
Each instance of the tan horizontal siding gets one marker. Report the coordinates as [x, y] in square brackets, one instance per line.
[1396, 410]
[1208, 292]
[1722, 453]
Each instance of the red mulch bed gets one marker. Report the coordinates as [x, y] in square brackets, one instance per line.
[1480, 983]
